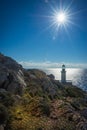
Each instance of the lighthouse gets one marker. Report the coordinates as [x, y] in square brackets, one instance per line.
[63, 74]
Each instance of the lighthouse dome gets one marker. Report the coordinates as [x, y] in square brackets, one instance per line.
[63, 66]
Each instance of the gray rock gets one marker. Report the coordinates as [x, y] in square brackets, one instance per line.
[1, 127]
[51, 76]
[82, 126]
[84, 113]
[11, 75]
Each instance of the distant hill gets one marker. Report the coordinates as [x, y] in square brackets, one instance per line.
[32, 100]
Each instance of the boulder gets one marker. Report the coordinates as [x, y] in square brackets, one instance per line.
[51, 76]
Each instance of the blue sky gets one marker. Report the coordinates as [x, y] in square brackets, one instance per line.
[27, 36]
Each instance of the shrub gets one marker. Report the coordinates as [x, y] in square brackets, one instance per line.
[45, 108]
[6, 99]
[74, 92]
[3, 114]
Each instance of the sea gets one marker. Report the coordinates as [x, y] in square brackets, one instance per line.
[77, 76]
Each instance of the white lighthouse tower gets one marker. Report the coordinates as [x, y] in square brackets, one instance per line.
[63, 74]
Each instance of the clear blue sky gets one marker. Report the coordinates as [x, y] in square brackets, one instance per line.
[25, 36]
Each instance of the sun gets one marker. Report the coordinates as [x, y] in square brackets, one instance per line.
[61, 18]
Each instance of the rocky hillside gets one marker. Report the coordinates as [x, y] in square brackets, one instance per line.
[32, 100]
[11, 75]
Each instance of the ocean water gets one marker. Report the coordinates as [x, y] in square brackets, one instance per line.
[77, 76]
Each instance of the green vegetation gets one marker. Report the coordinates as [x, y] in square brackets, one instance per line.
[73, 91]
[6, 99]
[45, 105]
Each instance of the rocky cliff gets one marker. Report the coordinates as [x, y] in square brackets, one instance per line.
[31, 100]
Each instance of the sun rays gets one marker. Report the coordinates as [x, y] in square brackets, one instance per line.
[61, 18]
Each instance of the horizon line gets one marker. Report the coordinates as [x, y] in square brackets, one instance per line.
[49, 64]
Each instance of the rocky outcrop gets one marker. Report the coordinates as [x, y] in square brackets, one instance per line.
[51, 76]
[14, 78]
[38, 82]
[11, 75]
